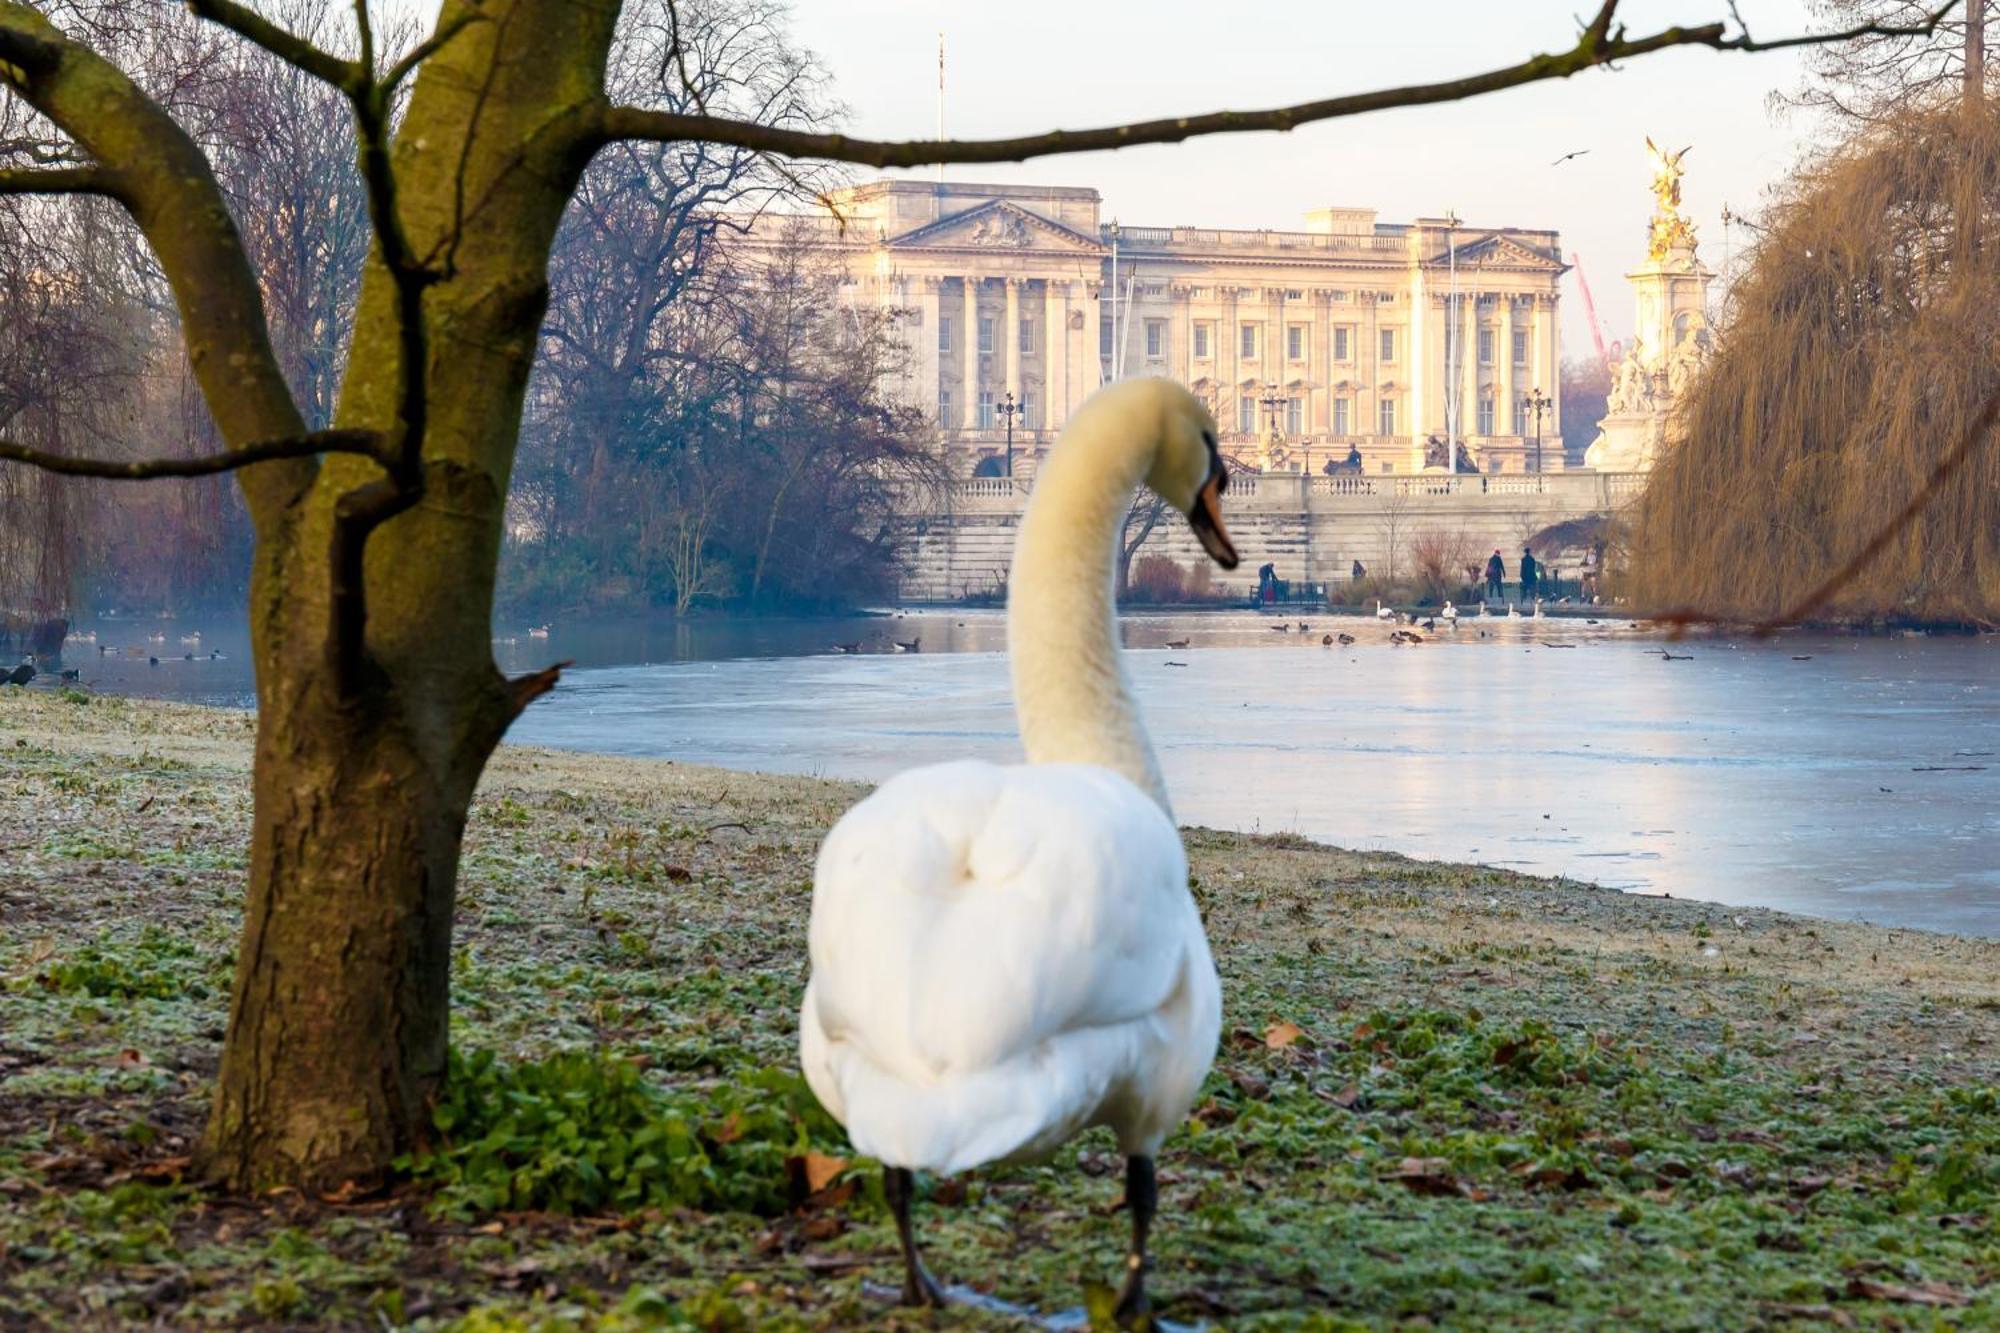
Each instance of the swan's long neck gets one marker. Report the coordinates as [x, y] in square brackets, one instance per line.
[1071, 697]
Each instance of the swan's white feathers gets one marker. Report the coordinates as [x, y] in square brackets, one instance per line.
[1001, 957]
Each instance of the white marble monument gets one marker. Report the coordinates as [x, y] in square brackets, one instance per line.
[1672, 336]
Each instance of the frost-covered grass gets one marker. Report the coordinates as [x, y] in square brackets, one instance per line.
[1446, 1096]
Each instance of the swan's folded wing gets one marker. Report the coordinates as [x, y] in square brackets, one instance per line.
[967, 913]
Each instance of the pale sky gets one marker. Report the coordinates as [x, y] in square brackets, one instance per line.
[1028, 65]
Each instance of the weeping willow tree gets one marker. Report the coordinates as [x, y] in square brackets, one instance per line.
[1863, 353]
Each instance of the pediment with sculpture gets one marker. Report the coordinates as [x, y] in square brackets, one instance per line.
[998, 225]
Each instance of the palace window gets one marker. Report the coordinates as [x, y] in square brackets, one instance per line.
[1486, 347]
[1388, 346]
[1520, 347]
[1248, 347]
[944, 406]
[1031, 411]
[1156, 338]
[1340, 346]
[1295, 342]
[1486, 416]
[986, 409]
[1246, 414]
[1027, 335]
[985, 335]
[1104, 337]
[1201, 342]
[1295, 416]
[944, 334]
[1521, 415]
[1340, 422]
[1385, 417]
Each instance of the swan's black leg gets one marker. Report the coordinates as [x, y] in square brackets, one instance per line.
[1142, 1196]
[919, 1288]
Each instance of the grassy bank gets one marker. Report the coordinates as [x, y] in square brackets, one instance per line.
[1447, 1095]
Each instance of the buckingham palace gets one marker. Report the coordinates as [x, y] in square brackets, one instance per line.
[1347, 345]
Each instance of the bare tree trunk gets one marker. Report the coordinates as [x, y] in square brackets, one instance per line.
[1975, 53]
[338, 1020]
[339, 1017]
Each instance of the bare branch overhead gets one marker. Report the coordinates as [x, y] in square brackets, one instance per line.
[1601, 42]
[109, 469]
[286, 46]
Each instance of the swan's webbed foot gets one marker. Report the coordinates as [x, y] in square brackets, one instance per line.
[919, 1287]
[1142, 1196]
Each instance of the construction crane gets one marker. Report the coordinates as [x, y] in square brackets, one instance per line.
[1590, 311]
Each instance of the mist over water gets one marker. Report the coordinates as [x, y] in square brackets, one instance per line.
[1861, 782]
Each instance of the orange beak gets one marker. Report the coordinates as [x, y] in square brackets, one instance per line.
[1206, 516]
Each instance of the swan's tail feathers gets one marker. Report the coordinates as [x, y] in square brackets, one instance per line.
[1019, 1110]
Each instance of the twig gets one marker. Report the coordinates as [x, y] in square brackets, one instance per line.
[524, 690]
[285, 45]
[1601, 42]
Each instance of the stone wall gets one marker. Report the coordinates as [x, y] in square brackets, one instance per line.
[1313, 529]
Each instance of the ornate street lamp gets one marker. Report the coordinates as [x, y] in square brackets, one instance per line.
[1538, 403]
[1009, 409]
[1273, 402]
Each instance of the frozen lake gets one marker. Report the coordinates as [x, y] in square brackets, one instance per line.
[1863, 781]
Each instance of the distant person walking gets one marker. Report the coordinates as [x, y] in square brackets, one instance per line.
[1529, 573]
[1496, 576]
[1360, 571]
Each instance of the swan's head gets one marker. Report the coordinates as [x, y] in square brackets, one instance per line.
[1188, 472]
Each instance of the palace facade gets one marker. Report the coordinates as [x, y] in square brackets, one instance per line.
[1350, 337]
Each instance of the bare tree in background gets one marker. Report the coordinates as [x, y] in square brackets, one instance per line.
[1880, 74]
[377, 539]
[1145, 514]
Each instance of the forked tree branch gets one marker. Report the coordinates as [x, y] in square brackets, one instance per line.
[1602, 41]
[288, 46]
[365, 442]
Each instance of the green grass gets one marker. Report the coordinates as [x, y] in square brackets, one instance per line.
[1510, 1103]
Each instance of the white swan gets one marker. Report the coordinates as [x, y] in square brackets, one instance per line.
[1450, 612]
[1382, 612]
[1004, 956]
[1538, 610]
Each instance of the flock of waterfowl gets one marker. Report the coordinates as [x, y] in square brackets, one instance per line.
[33, 667]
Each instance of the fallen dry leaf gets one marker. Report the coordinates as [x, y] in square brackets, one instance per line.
[1921, 1293]
[1425, 1175]
[1280, 1035]
[730, 1130]
[821, 1169]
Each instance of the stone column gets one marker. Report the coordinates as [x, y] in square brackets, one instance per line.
[970, 416]
[1229, 358]
[930, 373]
[1555, 387]
[1503, 414]
[1010, 333]
[1087, 371]
[1415, 357]
[1468, 400]
[1181, 354]
[1055, 361]
[1538, 356]
[1321, 394]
